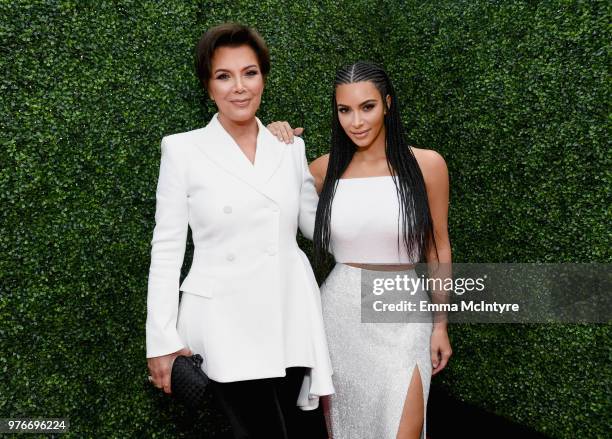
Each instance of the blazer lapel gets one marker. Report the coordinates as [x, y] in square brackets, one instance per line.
[220, 148]
[269, 155]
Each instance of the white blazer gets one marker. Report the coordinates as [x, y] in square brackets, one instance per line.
[261, 305]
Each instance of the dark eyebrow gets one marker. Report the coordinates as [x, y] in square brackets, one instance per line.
[245, 68]
[369, 101]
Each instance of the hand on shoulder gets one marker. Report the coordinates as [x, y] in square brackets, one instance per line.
[284, 132]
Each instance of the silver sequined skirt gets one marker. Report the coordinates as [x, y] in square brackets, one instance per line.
[372, 362]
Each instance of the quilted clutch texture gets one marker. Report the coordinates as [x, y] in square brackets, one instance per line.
[188, 381]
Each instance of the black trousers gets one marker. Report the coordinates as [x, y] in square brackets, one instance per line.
[266, 408]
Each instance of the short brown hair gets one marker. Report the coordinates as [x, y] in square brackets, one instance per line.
[232, 35]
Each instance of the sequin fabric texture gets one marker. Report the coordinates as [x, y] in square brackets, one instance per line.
[372, 362]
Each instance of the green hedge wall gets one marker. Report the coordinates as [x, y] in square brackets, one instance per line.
[515, 95]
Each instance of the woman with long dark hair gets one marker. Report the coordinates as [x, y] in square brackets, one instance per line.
[383, 206]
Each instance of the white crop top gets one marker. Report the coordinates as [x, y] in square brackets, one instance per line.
[364, 222]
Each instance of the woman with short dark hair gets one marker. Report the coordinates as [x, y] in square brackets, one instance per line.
[229, 35]
[250, 303]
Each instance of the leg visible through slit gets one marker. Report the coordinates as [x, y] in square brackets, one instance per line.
[412, 421]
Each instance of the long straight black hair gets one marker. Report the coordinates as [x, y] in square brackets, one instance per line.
[415, 226]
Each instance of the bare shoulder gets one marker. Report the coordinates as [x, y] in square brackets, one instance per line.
[318, 167]
[432, 164]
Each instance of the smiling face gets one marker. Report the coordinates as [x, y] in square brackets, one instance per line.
[361, 112]
[236, 83]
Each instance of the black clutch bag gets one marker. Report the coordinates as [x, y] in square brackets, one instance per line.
[188, 381]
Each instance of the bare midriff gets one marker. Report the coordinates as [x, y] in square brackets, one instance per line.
[383, 267]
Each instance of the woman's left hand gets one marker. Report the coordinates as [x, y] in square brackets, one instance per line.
[283, 131]
[440, 349]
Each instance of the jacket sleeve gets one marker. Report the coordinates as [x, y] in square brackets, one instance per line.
[308, 196]
[167, 253]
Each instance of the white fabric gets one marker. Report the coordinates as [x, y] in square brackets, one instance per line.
[365, 222]
[252, 305]
[373, 362]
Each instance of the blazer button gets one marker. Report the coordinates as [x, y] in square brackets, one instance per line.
[274, 209]
[230, 257]
[271, 250]
[227, 209]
